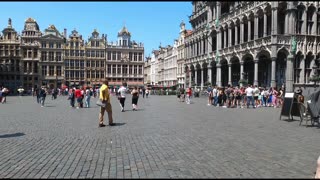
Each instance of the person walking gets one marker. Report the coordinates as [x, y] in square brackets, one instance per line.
[104, 96]
[209, 91]
[122, 95]
[5, 92]
[189, 94]
[87, 97]
[72, 98]
[147, 93]
[43, 94]
[135, 97]
[143, 92]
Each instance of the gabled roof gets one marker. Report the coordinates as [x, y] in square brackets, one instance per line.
[124, 31]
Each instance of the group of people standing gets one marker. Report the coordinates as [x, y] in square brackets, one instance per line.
[255, 96]
[79, 94]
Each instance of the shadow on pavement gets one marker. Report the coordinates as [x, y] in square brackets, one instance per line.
[118, 124]
[12, 135]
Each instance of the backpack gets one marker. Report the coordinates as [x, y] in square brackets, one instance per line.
[91, 93]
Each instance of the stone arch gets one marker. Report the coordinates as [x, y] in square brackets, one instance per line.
[309, 62]
[263, 52]
[224, 72]
[235, 70]
[284, 50]
[281, 66]
[264, 68]
[248, 67]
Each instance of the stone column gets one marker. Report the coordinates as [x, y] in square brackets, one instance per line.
[255, 82]
[185, 78]
[241, 69]
[229, 74]
[265, 24]
[196, 76]
[230, 36]
[218, 76]
[47, 70]
[241, 31]
[218, 41]
[302, 66]
[202, 77]
[218, 4]
[209, 43]
[190, 77]
[236, 35]
[273, 71]
[249, 30]
[225, 37]
[256, 26]
[274, 28]
[289, 73]
[209, 73]
[314, 27]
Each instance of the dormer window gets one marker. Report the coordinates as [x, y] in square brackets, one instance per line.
[124, 42]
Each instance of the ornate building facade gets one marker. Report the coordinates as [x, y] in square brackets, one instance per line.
[95, 65]
[270, 44]
[51, 58]
[125, 60]
[30, 52]
[10, 59]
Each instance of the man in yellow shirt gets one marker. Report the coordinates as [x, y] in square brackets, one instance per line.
[105, 98]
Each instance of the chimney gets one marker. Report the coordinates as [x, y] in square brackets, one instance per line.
[65, 33]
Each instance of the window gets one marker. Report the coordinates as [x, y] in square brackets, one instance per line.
[43, 45]
[72, 53]
[124, 42]
[135, 58]
[87, 53]
[71, 74]
[71, 63]
[97, 54]
[109, 68]
[77, 63]
[109, 55]
[97, 64]
[50, 45]
[59, 56]
[93, 64]
[134, 69]
[81, 74]
[102, 74]
[93, 75]
[93, 54]
[113, 69]
[66, 53]
[140, 56]
[125, 69]
[58, 45]
[88, 74]
[51, 70]
[97, 44]
[51, 56]
[140, 69]
[66, 63]
[81, 64]
[88, 64]
[58, 70]
[67, 74]
[119, 56]
[43, 56]
[119, 69]
[71, 44]
[77, 44]
[82, 53]
[77, 53]
[77, 74]
[44, 70]
[102, 54]
[114, 55]
[102, 64]
[97, 74]
[130, 56]
[130, 69]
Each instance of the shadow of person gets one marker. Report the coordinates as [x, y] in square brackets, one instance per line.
[118, 124]
[12, 135]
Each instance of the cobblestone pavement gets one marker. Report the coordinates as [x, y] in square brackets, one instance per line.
[163, 139]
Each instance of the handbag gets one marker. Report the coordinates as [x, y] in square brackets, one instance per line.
[100, 103]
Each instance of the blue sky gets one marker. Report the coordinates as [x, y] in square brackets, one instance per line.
[148, 22]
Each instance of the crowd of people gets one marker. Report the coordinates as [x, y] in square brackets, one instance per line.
[238, 97]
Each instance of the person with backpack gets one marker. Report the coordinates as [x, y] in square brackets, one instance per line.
[43, 94]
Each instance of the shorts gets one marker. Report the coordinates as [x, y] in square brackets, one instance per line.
[79, 100]
[255, 97]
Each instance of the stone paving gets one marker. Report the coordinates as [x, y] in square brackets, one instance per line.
[163, 139]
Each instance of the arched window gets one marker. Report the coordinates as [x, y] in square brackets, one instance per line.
[310, 13]
[299, 11]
